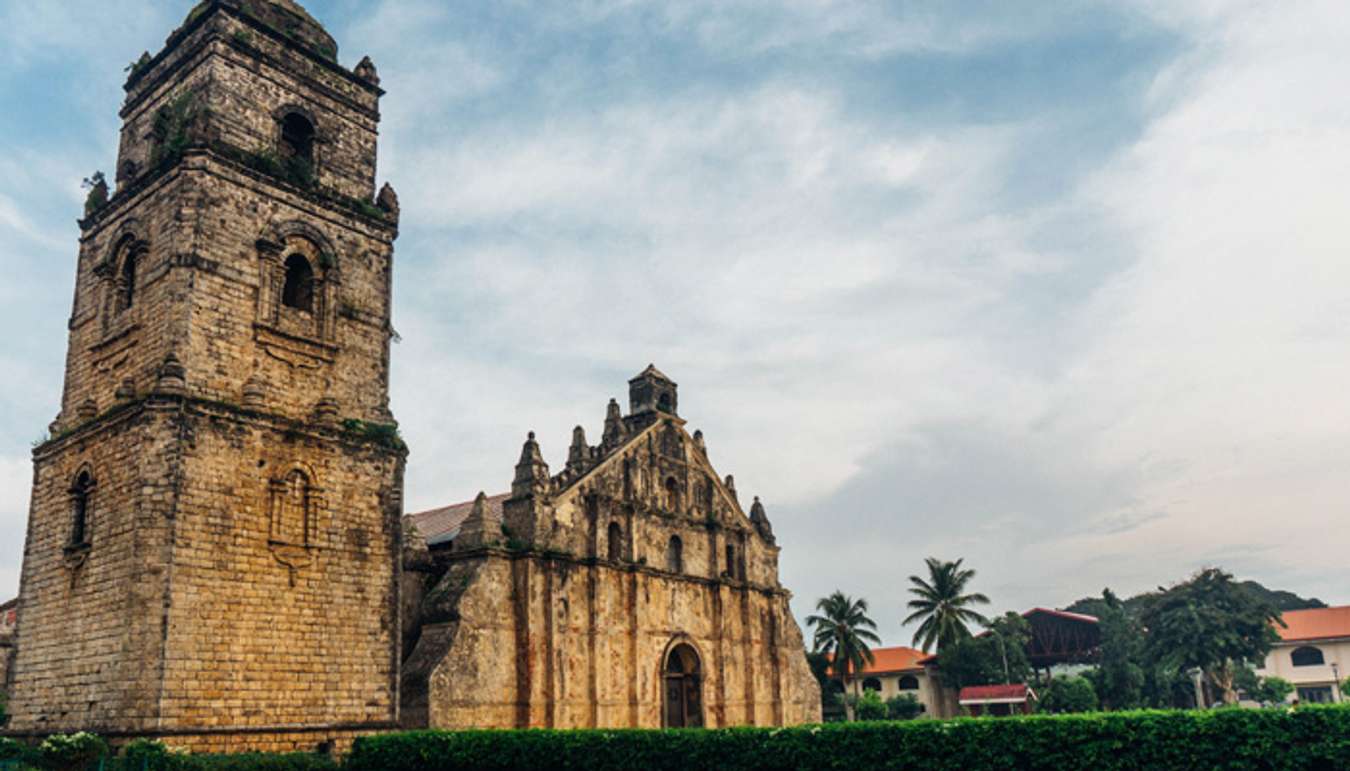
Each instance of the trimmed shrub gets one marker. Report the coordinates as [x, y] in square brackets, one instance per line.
[869, 706]
[903, 707]
[160, 759]
[1311, 737]
[72, 752]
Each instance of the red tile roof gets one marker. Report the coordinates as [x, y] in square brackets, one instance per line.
[977, 694]
[897, 659]
[1315, 624]
[441, 525]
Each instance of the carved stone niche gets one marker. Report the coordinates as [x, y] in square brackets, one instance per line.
[294, 506]
[298, 287]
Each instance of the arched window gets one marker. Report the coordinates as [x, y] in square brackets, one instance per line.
[872, 684]
[672, 494]
[80, 496]
[908, 683]
[731, 561]
[126, 280]
[1307, 656]
[615, 542]
[663, 402]
[675, 555]
[297, 138]
[298, 291]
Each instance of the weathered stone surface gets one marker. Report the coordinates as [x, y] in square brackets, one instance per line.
[215, 551]
[604, 569]
[236, 582]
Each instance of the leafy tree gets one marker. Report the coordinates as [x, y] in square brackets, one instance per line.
[903, 707]
[1273, 690]
[845, 634]
[820, 669]
[1119, 677]
[1066, 694]
[943, 604]
[980, 660]
[1210, 623]
[1263, 690]
[869, 706]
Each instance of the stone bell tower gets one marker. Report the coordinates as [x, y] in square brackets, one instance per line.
[213, 542]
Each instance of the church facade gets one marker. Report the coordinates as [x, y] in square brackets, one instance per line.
[632, 587]
[216, 554]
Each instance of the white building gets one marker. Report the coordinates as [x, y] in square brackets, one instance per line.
[1313, 653]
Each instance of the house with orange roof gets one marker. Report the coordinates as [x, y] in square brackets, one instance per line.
[900, 671]
[1313, 653]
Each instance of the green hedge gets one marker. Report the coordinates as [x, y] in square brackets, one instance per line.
[1306, 738]
[152, 756]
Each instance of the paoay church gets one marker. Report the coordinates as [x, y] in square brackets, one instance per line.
[217, 553]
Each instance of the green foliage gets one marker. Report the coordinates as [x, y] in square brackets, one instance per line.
[1062, 695]
[1263, 690]
[869, 706]
[1119, 677]
[980, 660]
[1210, 623]
[383, 434]
[1282, 601]
[903, 707]
[138, 67]
[1311, 737]
[11, 750]
[844, 633]
[97, 185]
[172, 129]
[72, 752]
[943, 604]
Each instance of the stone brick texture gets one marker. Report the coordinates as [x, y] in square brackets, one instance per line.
[239, 584]
[591, 633]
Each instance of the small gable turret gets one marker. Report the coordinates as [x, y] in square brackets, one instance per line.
[652, 392]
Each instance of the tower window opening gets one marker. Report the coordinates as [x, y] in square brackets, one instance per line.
[297, 138]
[126, 281]
[615, 545]
[731, 561]
[79, 503]
[298, 291]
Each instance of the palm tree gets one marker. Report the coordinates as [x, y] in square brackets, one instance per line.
[943, 604]
[845, 633]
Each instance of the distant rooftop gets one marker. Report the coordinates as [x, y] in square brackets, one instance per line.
[1315, 624]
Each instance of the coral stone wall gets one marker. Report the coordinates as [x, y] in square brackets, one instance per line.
[554, 624]
[239, 587]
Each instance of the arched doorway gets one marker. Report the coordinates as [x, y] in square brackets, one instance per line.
[682, 676]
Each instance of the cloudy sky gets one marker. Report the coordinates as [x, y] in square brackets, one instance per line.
[1062, 289]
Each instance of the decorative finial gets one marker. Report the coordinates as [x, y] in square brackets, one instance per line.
[531, 472]
[761, 521]
[387, 200]
[365, 70]
[172, 378]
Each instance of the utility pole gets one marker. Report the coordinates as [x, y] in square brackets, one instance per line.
[1336, 683]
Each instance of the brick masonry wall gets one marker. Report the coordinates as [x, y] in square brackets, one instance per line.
[241, 584]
